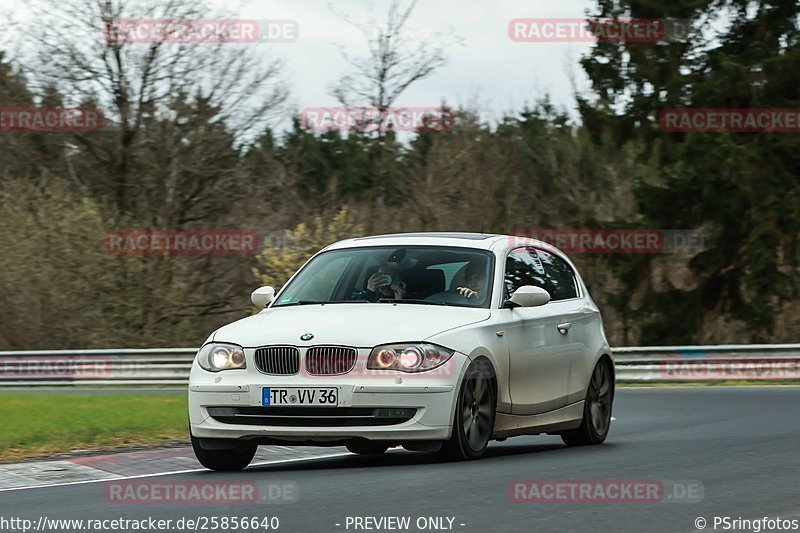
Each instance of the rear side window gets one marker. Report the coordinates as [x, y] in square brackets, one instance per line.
[523, 267]
[561, 282]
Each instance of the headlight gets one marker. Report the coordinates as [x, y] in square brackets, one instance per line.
[417, 357]
[216, 356]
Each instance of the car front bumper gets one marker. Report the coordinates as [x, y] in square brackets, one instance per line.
[431, 395]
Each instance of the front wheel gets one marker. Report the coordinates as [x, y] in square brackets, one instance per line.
[227, 460]
[596, 409]
[474, 419]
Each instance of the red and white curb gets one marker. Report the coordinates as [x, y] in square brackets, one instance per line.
[134, 465]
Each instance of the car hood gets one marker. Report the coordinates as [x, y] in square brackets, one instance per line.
[360, 325]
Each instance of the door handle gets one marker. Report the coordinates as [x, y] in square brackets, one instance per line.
[564, 328]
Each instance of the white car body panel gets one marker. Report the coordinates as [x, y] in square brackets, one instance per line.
[358, 325]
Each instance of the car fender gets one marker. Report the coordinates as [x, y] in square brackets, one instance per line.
[481, 341]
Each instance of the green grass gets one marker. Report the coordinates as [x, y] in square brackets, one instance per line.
[41, 424]
[35, 425]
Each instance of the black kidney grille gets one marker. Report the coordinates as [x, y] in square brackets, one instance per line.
[330, 360]
[280, 360]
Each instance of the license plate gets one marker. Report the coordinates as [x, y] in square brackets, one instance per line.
[318, 396]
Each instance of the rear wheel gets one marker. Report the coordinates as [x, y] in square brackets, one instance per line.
[474, 419]
[367, 448]
[232, 459]
[596, 409]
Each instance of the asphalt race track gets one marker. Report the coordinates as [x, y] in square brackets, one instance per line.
[741, 445]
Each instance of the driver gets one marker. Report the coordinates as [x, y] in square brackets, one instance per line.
[385, 283]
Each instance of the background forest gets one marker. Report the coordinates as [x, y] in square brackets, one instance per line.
[185, 147]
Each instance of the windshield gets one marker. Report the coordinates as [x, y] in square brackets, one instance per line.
[426, 275]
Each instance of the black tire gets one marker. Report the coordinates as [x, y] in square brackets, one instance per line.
[230, 460]
[473, 422]
[596, 409]
[367, 448]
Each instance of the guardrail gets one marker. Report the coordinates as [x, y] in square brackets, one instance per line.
[742, 362]
[170, 366]
[129, 367]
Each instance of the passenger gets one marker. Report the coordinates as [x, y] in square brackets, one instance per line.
[475, 278]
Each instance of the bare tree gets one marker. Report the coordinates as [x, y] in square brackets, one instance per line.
[134, 81]
[395, 60]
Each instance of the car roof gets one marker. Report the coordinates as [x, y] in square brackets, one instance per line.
[481, 241]
[466, 240]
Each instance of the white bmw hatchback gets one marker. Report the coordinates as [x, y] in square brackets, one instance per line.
[437, 342]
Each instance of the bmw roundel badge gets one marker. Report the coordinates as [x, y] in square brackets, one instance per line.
[306, 336]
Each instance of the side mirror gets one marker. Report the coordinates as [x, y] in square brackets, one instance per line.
[528, 296]
[263, 296]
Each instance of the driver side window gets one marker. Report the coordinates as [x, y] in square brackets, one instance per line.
[523, 268]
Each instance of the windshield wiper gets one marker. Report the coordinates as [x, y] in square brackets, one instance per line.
[300, 302]
[409, 301]
[322, 302]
